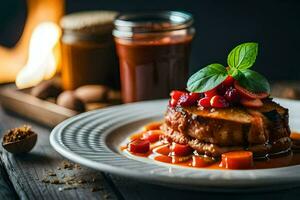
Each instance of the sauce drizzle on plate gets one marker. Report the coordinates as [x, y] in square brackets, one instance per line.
[163, 150]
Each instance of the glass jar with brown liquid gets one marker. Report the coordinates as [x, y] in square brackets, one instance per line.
[153, 50]
[88, 50]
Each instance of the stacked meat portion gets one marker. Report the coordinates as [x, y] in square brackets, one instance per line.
[211, 132]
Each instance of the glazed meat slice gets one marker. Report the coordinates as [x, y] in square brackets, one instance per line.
[215, 131]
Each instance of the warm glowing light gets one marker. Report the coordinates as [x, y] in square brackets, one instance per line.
[41, 63]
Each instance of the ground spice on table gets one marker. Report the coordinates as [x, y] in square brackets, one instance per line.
[62, 177]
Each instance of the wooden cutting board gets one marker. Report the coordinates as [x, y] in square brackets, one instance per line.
[24, 104]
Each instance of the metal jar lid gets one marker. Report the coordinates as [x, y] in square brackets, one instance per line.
[151, 22]
[89, 22]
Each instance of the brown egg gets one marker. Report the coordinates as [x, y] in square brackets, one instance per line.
[46, 89]
[114, 96]
[68, 99]
[92, 93]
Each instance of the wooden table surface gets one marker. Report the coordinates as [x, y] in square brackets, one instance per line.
[21, 177]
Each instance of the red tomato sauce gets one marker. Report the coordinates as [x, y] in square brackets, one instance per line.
[167, 152]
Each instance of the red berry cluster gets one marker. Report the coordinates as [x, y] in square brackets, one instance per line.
[184, 98]
[226, 94]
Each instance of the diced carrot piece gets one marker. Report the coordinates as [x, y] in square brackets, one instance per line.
[162, 150]
[136, 135]
[153, 135]
[200, 161]
[296, 140]
[180, 159]
[295, 136]
[237, 160]
[180, 149]
[139, 146]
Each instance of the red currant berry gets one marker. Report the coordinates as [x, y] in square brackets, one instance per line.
[211, 93]
[194, 97]
[222, 89]
[183, 100]
[189, 99]
[228, 81]
[176, 94]
[232, 95]
[218, 102]
[173, 102]
[204, 102]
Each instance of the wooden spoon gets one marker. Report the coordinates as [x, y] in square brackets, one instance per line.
[22, 146]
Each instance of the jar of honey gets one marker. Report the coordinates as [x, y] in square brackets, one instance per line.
[88, 50]
[153, 50]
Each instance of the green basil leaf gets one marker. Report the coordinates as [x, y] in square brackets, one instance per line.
[207, 78]
[254, 81]
[235, 73]
[243, 56]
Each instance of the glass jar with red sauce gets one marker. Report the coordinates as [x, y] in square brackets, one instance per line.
[153, 50]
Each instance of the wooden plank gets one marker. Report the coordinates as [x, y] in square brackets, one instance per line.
[27, 171]
[7, 190]
[45, 112]
[33, 108]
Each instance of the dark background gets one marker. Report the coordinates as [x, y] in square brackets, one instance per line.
[220, 26]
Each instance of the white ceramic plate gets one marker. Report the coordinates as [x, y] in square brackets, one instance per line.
[93, 139]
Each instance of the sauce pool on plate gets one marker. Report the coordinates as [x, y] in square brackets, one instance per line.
[152, 144]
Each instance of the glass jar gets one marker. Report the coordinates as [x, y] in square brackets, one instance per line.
[88, 50]
[154, 50]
